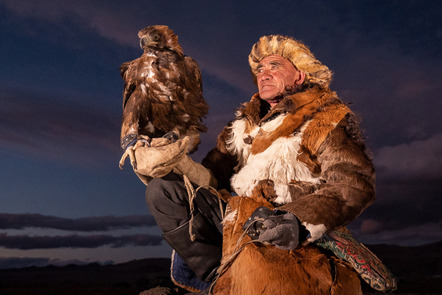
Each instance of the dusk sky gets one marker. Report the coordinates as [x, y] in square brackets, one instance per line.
[63, 197]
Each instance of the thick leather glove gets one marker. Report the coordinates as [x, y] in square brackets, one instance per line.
[279, 228]
[160, 157]
[197, 173]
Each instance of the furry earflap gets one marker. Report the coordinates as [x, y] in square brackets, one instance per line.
[296, 52]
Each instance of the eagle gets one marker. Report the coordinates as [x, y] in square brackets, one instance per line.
[162, 94]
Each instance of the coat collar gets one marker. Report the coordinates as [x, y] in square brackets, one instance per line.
[258, 110]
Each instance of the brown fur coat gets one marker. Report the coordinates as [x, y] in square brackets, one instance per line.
[308, 149]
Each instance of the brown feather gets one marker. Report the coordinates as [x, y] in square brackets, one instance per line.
[162, 89]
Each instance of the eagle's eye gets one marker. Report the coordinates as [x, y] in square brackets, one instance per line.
[156, 37]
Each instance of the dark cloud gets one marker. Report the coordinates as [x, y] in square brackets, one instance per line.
[56, 129]
[400, 205]
[371, 232]
[403, 203]
[420, 159]
[24, 242]
[397, 95]
[104, 17]
[87, 224]
[22, 262]
[404, 213]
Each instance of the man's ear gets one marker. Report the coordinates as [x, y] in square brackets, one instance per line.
[300, 79]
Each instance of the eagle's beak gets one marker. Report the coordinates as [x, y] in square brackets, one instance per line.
[143, 42]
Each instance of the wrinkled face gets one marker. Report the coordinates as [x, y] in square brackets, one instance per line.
[275, 75]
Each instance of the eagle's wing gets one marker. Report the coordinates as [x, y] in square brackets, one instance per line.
[128, 73]
[136, 103]
[194, 72]
[197, 106]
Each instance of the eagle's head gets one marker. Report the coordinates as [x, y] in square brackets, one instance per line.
[159, 36]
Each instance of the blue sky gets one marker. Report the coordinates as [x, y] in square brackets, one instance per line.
[60, 111]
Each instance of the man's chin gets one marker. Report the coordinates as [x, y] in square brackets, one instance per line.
[268, 94]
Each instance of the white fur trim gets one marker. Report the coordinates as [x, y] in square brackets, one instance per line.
[277, 163]
[236, 144]
[271, 125]
[283, 193]
[316, 231]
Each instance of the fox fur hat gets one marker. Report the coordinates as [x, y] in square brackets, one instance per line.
[296, 52]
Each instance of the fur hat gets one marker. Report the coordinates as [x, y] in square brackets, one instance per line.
[296, 52]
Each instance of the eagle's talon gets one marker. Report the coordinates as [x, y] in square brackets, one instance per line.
[121, 163]
[171, 136]
[130, 151]
[143, 142]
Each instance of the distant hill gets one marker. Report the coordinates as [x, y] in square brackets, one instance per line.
[419, 270]
[126, 278]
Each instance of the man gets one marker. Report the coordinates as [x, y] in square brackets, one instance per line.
[294, 136]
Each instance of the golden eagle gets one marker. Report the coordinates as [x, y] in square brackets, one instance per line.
[162, 93]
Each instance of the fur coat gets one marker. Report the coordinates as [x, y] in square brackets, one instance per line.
[308, 154]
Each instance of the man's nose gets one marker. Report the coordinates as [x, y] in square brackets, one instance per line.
[265, 75]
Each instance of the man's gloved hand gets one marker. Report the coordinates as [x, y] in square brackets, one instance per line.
[197, 173]
[162, 157]
[278, 228]
[159, 158]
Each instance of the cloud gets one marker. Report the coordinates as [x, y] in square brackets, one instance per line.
[56, 129]
[24, 242]
[104, 17]
[87, 224]
[370, 226]
[22, 262]
[420, 159]
[406, 236]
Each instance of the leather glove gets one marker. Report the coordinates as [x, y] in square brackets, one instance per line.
[197, 173]
[162, 157]
[159, 158]
[278, 228]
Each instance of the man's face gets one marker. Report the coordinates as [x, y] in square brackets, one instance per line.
[275, 75]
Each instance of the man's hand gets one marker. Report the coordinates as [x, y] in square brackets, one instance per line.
[160, 157]
[278, 228]
[166, 154]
